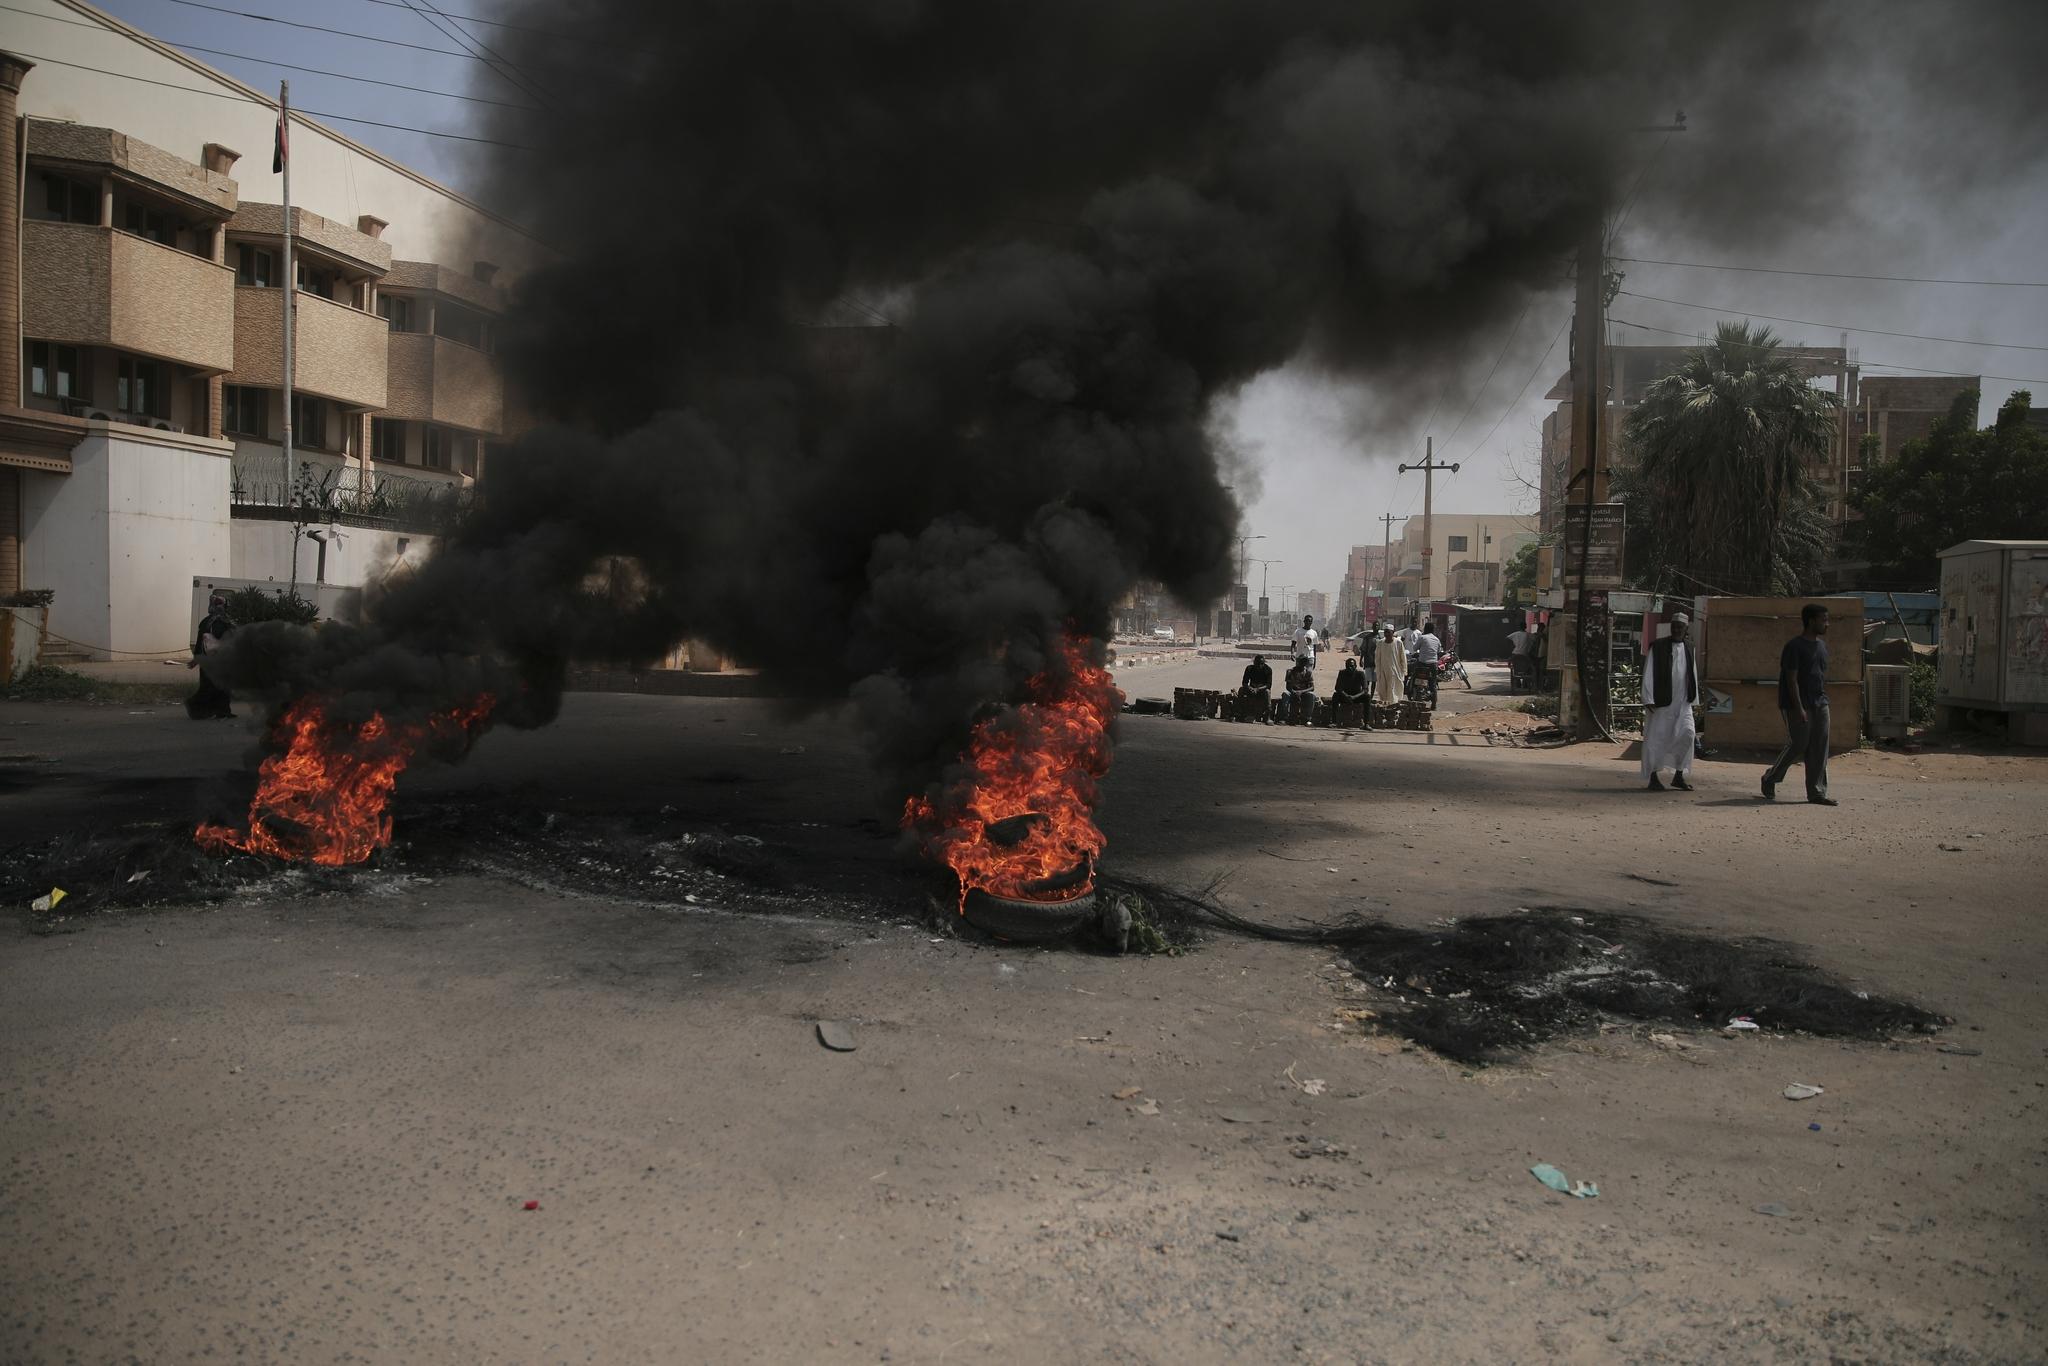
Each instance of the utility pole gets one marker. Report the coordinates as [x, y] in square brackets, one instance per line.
[1429, 467]
[282, 157]
[1387, 520]
[1588, 333]
[1265, 571]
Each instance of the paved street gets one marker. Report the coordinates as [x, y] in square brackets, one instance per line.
[303, 1125]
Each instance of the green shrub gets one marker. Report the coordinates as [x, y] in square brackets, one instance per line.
[47, 683]
[247, 606]
[1920, 693]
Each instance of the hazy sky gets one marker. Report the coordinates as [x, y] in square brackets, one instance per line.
[1320, 458]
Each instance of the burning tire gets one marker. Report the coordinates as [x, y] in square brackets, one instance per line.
[1028, 922]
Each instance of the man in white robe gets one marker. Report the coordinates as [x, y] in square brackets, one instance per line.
[1671, 686]
[1390, 666]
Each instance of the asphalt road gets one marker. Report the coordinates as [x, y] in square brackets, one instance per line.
[303, 1127]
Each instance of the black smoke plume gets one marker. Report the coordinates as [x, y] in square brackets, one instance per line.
[1084, 222]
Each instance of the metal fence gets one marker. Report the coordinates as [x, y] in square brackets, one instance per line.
[323, 490]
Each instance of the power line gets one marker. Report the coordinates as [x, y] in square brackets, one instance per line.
[267, 61]
[1834, 274]
[344, 76]
[1835, 327]
[1480, 445]
[1867, 364]
[494, 23]
[499, 67]
[337, 32]
[265, 104]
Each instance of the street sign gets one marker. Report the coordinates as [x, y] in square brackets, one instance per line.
[1603, 559]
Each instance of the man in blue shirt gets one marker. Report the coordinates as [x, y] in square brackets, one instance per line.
[1803, 697]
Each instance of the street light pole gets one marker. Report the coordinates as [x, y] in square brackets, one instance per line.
[1242, 543]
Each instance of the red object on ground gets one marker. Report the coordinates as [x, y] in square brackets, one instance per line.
[533, 1204]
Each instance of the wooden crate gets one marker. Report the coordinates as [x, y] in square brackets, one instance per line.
[1741, 640]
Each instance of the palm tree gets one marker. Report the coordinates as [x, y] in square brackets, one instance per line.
[1718, 477]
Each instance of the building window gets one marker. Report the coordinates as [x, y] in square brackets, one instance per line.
[53, 371]
[461, 325]
[245, 411]
[1459, 544]
[387, 440]
[395, 309]
[139, 388]
[435, 446]
[309, 422]
[315, 279]
[255, 267]
[65, 200]
[155, 224]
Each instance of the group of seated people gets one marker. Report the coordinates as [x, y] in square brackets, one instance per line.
[1298, 705]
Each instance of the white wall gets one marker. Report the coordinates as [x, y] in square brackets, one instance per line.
[330, 175]
[120, 538]
[261, 551]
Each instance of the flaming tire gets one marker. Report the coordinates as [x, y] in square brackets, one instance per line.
[1028, 922]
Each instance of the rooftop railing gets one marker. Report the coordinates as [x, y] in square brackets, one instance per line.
[325, 491]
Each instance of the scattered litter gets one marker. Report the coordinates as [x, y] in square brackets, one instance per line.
[1802, 1090]
[1313, 1086]
[1321, 1147]
[1775, 1210]
[836, 1035]
[1813, 1128]
[1356, 1015]
[1127, 1093]
[1329, 870]
[1950, 848]
[1556, 1180]
[48, 903]
[1229, 1235]
[1957, 1050]
[531, 1204]
[1243, 1117]
[1743, 1022]
[1150, 1107]
[139, 877]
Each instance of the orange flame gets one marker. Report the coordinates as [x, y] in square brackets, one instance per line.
[327, 797]
[1029, 771]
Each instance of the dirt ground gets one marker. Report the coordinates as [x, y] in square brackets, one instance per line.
[303, 1128]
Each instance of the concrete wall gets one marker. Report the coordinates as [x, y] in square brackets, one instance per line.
[122, 535]
[331, 175]
[261, 551]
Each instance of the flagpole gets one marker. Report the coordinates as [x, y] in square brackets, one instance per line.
[284, 160]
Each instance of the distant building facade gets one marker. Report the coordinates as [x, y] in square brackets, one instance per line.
[141, 397]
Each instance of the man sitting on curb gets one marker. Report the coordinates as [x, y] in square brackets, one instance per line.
[1255, 692]
[1301, 691]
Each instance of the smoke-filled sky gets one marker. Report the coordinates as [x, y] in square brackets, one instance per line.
[1901, 148]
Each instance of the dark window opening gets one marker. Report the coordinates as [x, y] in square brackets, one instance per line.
[309, 422]
[245, 411]
[387, 440]
[54, 372]
[139, 388]
[461, 325]
[1459, 544]
[65, 200]
[255, 266]
[396, 309]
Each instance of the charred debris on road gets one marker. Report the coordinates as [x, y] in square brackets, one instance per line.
[1477, 990]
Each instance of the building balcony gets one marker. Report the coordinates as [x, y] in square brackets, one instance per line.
[98, 286]
[433, 379]
[338, 352]
[325, 488]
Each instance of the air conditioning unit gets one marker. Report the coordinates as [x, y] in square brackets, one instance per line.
[1887, 700]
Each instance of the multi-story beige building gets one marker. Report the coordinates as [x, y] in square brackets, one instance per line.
[1474, 542]
[142, 401]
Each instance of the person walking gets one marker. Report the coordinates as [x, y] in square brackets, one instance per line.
[1803, 698]
[210, 701]
[1671, 685]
